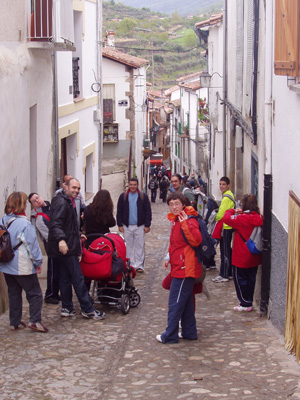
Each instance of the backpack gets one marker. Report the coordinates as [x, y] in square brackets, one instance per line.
[206, 249]
[6, 251]
[211, 222]
[152, 185]
[254, 243]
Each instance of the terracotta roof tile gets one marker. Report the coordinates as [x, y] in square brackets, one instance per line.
[123, 58]
[214, 19]
[191, 85]
[171, 90]
[190, 76]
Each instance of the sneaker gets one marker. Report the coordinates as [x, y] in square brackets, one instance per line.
[208, 268]
[180, 335]
[66, 313]
[241, 308]
[21, 325]
[220, 279]
[230, 277]
[212, 267]
[140, 270]
[51, 300]
[93, 314]
[158, 338]
[38, 326]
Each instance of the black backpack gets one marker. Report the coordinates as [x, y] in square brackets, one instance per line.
[7, 253]
[152, 185]
[206, 249]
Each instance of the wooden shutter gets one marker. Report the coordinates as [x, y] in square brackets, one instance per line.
[286, 60]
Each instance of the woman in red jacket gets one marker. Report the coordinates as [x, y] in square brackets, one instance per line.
[184, 270]
[244, 263]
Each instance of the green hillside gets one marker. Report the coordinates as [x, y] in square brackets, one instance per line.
[169, 41]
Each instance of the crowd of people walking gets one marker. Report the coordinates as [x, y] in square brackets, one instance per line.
[66, 225]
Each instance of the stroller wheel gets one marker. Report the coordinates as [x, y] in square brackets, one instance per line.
[135, 299]
[125, 304]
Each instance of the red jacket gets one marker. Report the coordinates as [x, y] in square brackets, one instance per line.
[243, 223]
[183, 258]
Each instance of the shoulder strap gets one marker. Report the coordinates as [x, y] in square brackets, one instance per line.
[243, 238]
[230, 197]
[9, 222]
[43, 215]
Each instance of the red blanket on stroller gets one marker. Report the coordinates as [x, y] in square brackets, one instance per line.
[97, 261]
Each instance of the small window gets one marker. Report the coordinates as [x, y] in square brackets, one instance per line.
[109, 103]
[76, 91]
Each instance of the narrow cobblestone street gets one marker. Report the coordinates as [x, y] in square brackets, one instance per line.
[237, 355]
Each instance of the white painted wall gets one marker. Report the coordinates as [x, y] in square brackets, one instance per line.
[285, 147]
[85, 34]
[115, 73]
[25, 81]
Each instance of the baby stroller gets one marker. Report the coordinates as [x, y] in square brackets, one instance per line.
[105, 263]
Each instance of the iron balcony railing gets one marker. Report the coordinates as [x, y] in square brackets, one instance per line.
[50, 21]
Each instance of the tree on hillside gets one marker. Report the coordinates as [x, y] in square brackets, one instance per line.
[126, 27]
[190, 40]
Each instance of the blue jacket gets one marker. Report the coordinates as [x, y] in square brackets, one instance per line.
[28, 255]
[143, 210]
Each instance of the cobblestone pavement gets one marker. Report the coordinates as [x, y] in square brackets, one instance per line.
[237, 356]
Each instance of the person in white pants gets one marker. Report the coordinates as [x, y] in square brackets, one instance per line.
[134, 220]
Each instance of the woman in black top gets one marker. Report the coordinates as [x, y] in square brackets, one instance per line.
[98, 216]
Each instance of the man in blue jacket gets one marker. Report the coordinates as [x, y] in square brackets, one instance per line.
[134, 220]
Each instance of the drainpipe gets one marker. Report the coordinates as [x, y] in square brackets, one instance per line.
[224, 87]
[255, 72]
[267, 226]
[100, 92]
[56, 177]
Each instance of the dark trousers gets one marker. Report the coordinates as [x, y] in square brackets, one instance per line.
[164, 195]
[30, 284]
[244, 281]
[225, 248]
[153, 195]
[181, 307]
[71, 275]
[52, 278]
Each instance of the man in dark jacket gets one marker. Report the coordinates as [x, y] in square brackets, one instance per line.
[64, 243]
[134, 220]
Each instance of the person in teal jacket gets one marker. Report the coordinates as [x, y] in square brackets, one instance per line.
[227, 203]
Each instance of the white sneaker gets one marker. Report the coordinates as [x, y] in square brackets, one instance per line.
[220, 279]
[158, 338]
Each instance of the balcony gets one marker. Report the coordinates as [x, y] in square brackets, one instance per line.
[50, 25]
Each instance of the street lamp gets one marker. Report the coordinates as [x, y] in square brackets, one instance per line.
[205, 78]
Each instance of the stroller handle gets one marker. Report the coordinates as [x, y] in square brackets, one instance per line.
[99, 235]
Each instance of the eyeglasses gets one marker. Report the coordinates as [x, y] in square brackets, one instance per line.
[174, 205]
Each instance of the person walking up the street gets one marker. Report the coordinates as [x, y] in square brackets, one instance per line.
[40, 216]
[134, 219]
[153, 187]
[163, 187]
[185, 268]
[244, 263]
[64, 243]
[227, 203]
[20, 273]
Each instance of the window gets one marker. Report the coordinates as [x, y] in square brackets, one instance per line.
[286, 59]
[76, 91]
[109, 103]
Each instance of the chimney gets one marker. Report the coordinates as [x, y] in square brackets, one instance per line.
[110, 39]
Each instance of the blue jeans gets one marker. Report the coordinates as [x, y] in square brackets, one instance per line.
[181, 307]
[71, 275]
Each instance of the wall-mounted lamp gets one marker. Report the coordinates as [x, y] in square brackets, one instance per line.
[205, 78]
